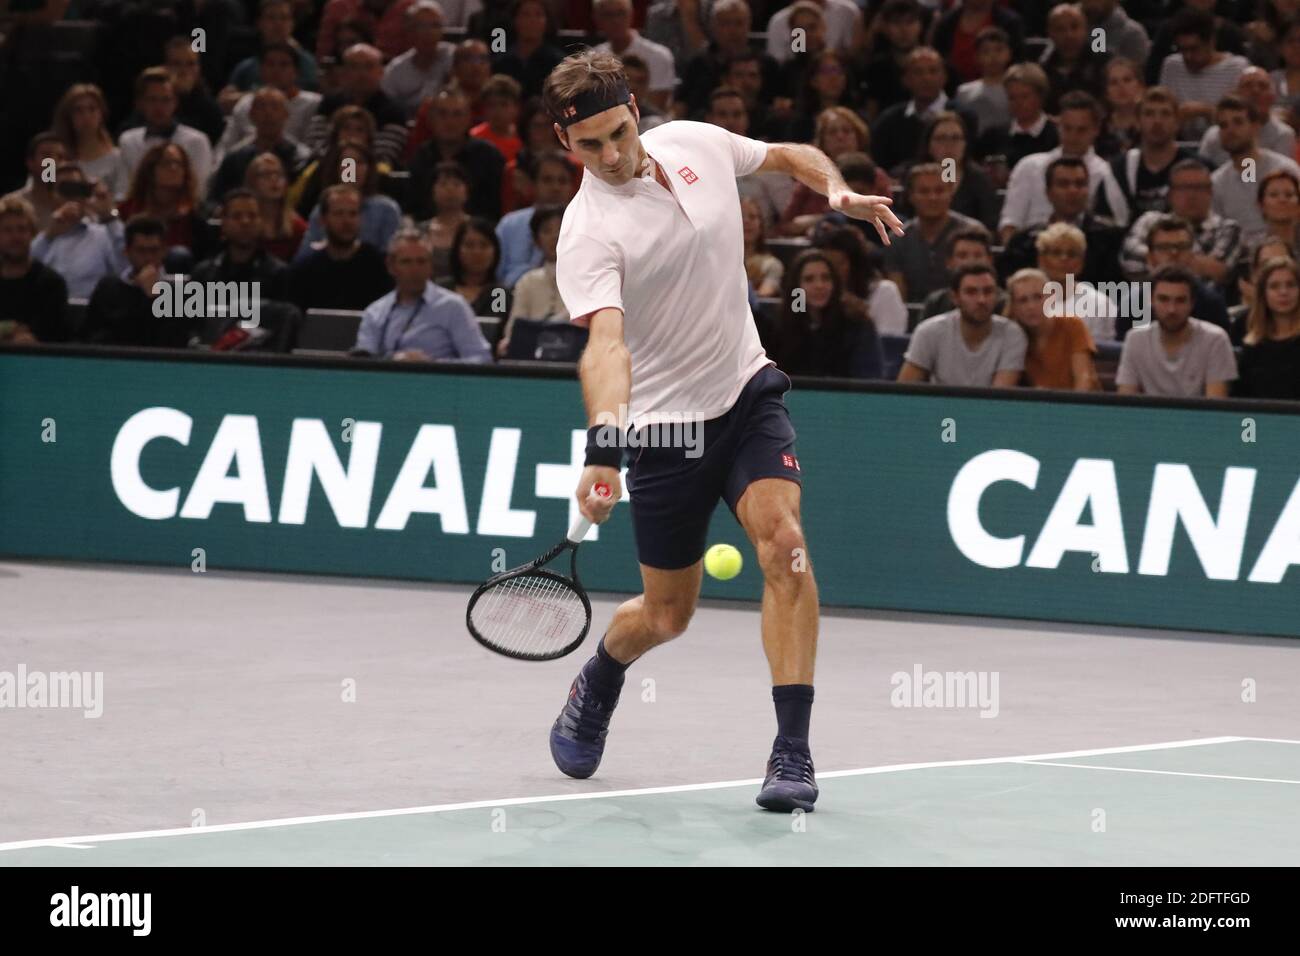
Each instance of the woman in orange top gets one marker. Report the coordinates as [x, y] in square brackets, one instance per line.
[1060, 353]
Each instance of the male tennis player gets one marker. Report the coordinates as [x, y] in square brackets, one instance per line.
[650, 258]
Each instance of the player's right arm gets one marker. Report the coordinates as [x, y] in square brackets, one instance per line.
[606, 373]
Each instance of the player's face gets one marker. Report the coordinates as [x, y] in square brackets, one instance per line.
[607, 143]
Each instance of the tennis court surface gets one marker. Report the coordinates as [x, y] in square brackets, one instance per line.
[275, 719]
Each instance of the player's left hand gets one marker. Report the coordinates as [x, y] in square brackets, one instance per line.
[871, 208]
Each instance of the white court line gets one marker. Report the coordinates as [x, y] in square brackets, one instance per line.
[594, 795]
[1170, 773]
[1270, 740]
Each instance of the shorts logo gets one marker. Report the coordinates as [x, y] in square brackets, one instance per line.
[686, 174]
[790, 462]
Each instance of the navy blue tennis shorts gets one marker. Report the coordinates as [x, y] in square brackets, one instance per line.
[674, 490]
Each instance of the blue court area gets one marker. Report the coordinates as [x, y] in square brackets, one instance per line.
[1217, 801]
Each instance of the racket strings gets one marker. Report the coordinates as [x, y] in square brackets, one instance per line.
[530, 615]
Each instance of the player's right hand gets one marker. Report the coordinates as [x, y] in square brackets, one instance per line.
[593, 507]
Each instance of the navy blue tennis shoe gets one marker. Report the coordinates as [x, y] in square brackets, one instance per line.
[790, 783]
[578, 734]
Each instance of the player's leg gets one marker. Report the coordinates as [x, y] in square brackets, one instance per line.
[673, 498]
[769, 513]
[655, 616]
[763, 491]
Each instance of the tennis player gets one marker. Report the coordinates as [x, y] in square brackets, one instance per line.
[650, 259]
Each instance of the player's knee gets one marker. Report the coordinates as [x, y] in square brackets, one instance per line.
[667, 621]
[782, 550]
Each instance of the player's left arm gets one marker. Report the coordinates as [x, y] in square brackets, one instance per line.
[818, 172]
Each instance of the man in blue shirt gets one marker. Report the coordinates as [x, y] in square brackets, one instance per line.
[419, 321]
[74, 244]
[553, 181]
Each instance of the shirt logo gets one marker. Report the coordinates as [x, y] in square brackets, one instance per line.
[790, 462]
[686, 174]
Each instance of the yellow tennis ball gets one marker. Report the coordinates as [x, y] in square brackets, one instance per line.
[723, 562]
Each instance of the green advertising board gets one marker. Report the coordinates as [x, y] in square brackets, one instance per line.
[1096, 510]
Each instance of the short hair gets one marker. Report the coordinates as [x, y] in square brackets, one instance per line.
[234, 195]
[923, 169]
[143, 225]
[1232, 102]
[723, 93]
[284, 48]
[992, 35]
[855, 166]
[1064, 162]
[424, 6]
[180, 40]
[1024, 275]
[542, 215]
[1079, 100]
[1188, 165]
[589, 71]
[499, 86]
[805, 7]
[1158, 94]
[1170, 224]
[921, 52]
[338, 189]
[450, 169]
[45, 136]
[1031, 75]
[1061, 232]
[971, 269]
[969, 234]
[744, 56]
[147, 78]
[902, 10]
[1192, 22]
[405, 235]
[1174, 273]
[15, 205]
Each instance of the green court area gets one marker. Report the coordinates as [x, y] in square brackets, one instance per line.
[1205, 802]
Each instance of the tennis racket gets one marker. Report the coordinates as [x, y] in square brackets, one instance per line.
[532, 613]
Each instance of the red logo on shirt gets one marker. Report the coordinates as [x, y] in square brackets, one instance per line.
[686, 174]
[790, 462]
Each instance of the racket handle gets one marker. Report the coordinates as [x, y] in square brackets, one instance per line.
[583, 524]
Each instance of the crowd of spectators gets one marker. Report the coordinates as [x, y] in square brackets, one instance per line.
[1095, 195]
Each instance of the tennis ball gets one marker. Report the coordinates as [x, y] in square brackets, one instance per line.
[723, 562]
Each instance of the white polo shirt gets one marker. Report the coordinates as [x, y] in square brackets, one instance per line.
[675, 265]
